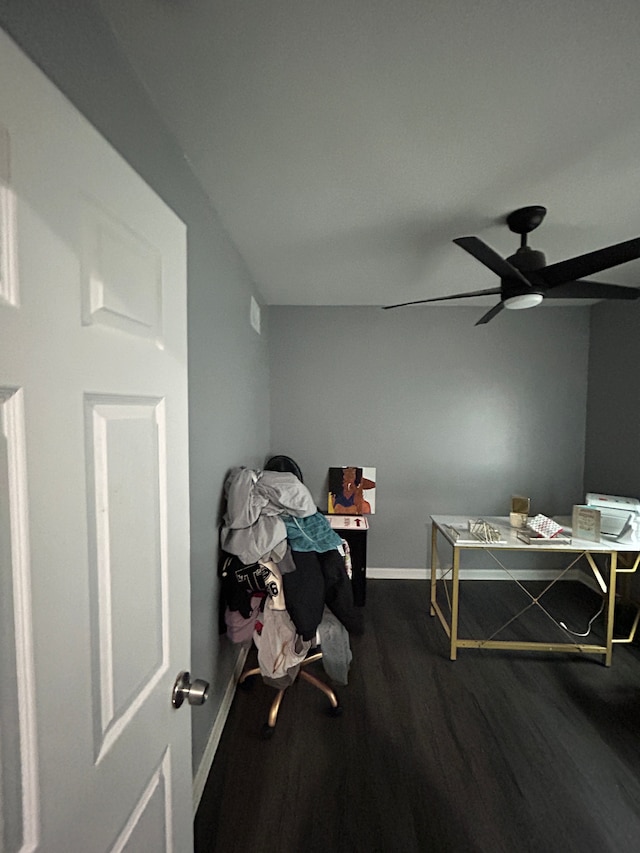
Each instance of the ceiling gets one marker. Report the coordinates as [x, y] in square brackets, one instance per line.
[345, 143]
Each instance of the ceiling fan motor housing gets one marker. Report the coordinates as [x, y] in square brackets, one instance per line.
[527, 259]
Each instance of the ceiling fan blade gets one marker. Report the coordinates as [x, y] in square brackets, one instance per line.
[591, 290]
[491, 292]
[592, 262]
[490, 258]
[490, 314]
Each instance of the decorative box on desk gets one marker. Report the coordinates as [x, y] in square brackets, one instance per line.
[353, 528]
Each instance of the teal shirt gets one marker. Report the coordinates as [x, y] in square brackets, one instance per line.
[313, 533]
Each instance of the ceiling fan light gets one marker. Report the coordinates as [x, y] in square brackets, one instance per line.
[524, 300]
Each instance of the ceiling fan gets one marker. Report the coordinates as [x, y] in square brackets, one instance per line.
[525, 278]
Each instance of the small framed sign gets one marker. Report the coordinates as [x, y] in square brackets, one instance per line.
[585, 523]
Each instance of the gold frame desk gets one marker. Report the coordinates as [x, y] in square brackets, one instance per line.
[442, 529]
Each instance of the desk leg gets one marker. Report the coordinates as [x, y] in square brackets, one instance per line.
[611, 607]
[455, 586]
[434, 567]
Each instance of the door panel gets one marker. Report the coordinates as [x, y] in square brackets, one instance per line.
[113, 257]
[18, 767]
[94, 505]
[127, 560]
[149, 825]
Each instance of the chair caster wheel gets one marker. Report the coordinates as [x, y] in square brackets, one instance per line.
[335, 712]
[266, 733]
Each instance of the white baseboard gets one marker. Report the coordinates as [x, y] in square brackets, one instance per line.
[399, 574]
[200, 779]
[489, 574]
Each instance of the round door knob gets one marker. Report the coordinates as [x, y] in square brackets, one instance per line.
[195, 692]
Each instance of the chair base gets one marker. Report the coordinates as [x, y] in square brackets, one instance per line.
[335, 709]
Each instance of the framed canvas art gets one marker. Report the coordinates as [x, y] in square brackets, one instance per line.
[352, 491]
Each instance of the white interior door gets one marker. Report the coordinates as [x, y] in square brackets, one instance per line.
[94, 590]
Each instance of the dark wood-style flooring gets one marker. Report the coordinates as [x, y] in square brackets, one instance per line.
[497, 751]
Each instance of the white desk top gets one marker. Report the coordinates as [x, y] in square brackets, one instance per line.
[512, 542]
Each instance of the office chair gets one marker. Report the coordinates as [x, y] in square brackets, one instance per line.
[286, 464]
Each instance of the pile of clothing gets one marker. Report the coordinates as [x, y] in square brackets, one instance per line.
[284, 576]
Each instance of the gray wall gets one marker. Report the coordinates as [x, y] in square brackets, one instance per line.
[612, 462]
[455, 418]
[227, 360]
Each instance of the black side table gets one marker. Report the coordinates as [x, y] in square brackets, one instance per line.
[353, 528]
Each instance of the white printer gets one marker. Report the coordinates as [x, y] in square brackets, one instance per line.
[616, 513]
